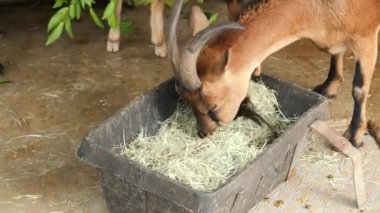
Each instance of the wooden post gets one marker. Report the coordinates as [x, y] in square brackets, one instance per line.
[343, 145]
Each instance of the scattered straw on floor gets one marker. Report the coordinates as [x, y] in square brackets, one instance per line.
[204, 164]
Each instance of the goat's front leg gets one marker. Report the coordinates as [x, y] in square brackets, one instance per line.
[198, 20]
[366, 54]
[256, 75]
[247, 110]
[329, 88]
[157, 27]
[113, 42]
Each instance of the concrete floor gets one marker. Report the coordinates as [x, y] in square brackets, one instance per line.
[60, 92]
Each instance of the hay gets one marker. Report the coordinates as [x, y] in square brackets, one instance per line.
[52, 135]
[317, 155]
[204, 164]
[29, 197]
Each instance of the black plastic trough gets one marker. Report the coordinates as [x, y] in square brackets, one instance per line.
[132, 188]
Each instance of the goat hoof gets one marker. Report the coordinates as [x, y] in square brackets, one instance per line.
[160, 51]
[374, 130]
[322, 89]
[256, 78]
[355, 142]
[113, 46]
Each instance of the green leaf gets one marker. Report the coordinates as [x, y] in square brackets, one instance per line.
[213, 17]
[95, 18]
[171, 3]
[82, 3]
[126, 23]
[112, 22]
[88, 2]
[55, 34]
[141, 2]
[4, 80]
[72, 11]
[58, 3]
[68, 28]
[126, 27]
[57, 18]
[200, 1]
[207, 14]
[110, 10]
[78, 10]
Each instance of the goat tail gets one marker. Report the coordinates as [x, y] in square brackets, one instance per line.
[374, 130]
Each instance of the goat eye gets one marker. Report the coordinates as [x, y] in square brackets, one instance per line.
[178, 87]
[212, 115]
[176, 83]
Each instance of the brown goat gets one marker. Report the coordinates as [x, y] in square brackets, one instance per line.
[235, 7]
[157, 28]
[214, 78]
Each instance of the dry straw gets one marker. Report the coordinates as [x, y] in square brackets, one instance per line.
[204, 164]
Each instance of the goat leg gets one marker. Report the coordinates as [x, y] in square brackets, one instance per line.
[247, 110]
[113, 42]
[157, 27]
[329, 88]
[366, 55]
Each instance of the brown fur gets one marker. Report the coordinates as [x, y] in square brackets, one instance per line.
[238, 7]
[254, 10]
[374, 130]
[226, 63]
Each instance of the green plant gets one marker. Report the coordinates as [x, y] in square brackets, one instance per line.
[211, 16]
[72, 10]
[69, 10]
[126, 27]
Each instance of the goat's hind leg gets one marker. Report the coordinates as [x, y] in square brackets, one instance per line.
[329, 88]
[157, 27]
[366, 54]
[113, 42]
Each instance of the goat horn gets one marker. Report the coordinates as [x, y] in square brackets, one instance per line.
[172, 44]
[188, 67]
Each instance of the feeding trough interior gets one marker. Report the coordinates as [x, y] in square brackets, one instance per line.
[130, 187]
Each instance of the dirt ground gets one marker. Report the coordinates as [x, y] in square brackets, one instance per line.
[60, 92]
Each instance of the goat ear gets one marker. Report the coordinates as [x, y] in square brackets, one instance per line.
[226, 57]
[220, 66]
[198, 20]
